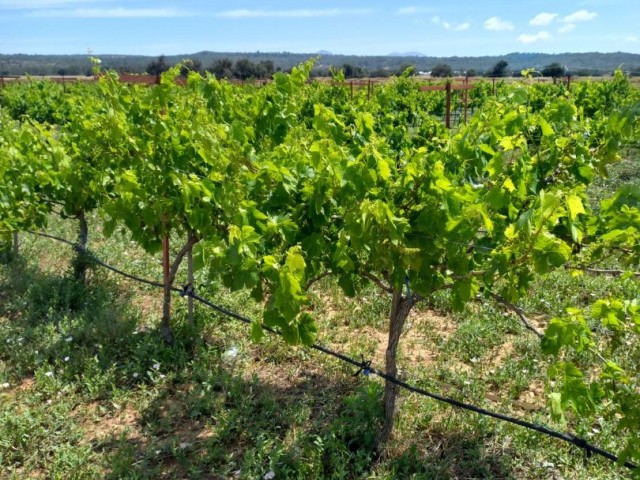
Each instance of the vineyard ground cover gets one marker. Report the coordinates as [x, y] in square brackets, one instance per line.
[93, 392]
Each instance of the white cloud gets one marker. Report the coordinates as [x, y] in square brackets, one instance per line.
[456, 27]
[580, 16]
[461, 27]
[528, 38]
[113, 13]
[412, 10]
[543, 19]
[300, 13]
[566, 28]
[35, 4]
[496, 24]
[632, 39]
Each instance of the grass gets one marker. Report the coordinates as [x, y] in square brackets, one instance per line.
[94, 393]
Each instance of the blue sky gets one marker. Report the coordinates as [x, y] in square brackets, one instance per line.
[363, 27]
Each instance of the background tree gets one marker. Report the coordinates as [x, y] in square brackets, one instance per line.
[222, 68]
[442, 70]
[554, 70]
[351, 71]
[499, 69]
[158, 66]
[244, 69]
[265, 69]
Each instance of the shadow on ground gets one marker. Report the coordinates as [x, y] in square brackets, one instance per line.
[138, 409]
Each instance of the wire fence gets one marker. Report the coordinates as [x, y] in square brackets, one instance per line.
[363, 366]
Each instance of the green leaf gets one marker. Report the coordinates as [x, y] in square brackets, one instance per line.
[520, 96]
[575, 206]
[346, 284]
[546, 129]
[307, 329]
[487, 149]
[495, 166]
[257, 332]
[557, 412]
[383, 168]
[290, 334]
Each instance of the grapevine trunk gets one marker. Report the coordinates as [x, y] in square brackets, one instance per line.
[80, 263]
[400, 308]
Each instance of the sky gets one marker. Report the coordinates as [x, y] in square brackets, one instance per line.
[360, 27]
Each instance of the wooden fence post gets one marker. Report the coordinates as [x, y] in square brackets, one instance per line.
[465, 97]
[447, 118]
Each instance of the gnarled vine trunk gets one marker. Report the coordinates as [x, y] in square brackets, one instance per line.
[165, 325]
[170, 270]
[80, 263]
[190, 281]
[400, 308]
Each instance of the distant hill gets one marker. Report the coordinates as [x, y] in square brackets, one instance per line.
[407, 54]
[590, 63]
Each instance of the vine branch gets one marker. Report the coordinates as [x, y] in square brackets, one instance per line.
[317, 278]
[600, 271]
[518, 311]
[377, 281]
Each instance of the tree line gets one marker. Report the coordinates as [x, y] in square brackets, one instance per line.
[262, 65]
[500, 69]
[244, 69]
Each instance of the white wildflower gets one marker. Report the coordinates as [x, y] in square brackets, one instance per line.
[68, 339]
[5, 385]
[156, 366]
[49, 374]
[269, 475]
[66, 359]
[230, 354]
[135, 375]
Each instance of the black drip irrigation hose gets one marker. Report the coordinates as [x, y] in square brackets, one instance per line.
[363, 366]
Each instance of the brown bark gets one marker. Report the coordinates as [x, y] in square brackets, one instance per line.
[170, 270]
[190, 282]
[80, 264]
[16, 244]
[400, 308]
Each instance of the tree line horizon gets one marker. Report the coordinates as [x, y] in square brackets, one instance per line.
[259, 65]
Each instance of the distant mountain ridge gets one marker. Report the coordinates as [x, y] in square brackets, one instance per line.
[407, 54]
[19, 64]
